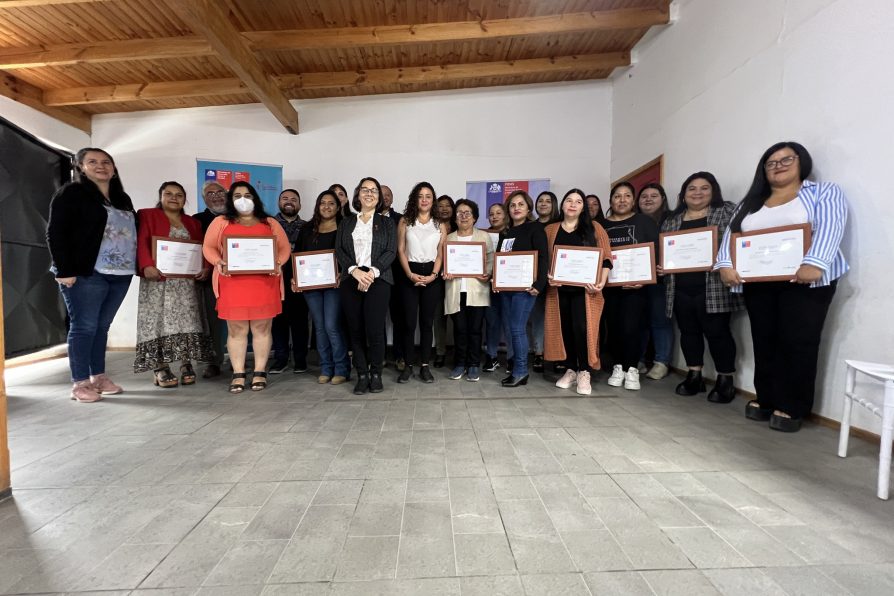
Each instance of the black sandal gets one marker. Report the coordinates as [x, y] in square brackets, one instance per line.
[165, 378]
[754, 411]
[236, 387]
[187, 374]
[259, 385]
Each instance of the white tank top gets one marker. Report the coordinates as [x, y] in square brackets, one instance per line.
[789, 214]
[423, 241]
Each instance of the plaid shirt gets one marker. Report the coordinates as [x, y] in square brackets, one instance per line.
[718, 297]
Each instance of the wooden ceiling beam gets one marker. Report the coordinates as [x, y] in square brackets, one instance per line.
[26, 93]
[329, 39]
[30, 3]
[330, 80]
[206, 18]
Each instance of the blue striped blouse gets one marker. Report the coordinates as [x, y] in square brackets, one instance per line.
[826, 208]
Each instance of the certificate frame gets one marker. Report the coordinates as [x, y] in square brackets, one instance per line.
[554, 260]
[714, 240]
[226, 255]
[296, 255]
[156, 239]
[447, 246]
[734, 238]
[639, 282]
[518, 253]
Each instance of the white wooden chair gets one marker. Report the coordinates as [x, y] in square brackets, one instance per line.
[884, 410]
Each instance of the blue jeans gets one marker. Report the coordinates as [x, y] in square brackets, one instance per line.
[92, 303]
[325, 310]
[516, 310]
[493, 322]
[661, 327]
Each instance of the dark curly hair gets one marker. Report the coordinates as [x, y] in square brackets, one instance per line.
[411, 211]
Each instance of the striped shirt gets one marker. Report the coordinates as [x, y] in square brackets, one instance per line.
[826, 208]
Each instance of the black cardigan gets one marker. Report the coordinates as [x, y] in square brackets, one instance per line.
[384, 243]
[76, 226]
[530, 236]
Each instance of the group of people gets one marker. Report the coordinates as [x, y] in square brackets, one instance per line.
[395, 263]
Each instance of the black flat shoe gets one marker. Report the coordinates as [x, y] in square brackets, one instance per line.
[723, 391]
[425, 375]
[693, 384]
[375, 383]
[515, 381]
[405, 374]
[785, 425]
[362, 385]
[538, 363]
[754, 411]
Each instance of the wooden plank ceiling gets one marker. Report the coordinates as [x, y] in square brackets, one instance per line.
[75, 58]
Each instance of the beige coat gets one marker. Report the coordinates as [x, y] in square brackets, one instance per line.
[477, 291]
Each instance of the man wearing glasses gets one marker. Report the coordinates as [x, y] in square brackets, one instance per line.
[215, 197]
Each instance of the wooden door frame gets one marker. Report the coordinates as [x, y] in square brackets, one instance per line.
[659, 161]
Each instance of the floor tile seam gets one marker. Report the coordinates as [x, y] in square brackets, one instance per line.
[403, 510]
[450, 506]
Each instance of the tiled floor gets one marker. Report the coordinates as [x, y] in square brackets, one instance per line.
[445, 489]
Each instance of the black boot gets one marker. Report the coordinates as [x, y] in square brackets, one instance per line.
[362, 385]
[723, 391]
[375, 383]
[693, 384]
[405, 374]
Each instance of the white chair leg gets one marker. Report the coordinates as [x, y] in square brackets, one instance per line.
[845, 431]
[884, 464]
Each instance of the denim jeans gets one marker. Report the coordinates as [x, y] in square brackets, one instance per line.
[660, 326]
[516, 310]
[325, 310]
[494, 324]
[92, 303]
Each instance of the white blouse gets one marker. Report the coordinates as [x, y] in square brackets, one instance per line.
[789, 214]
[423, 240]
[363, 238]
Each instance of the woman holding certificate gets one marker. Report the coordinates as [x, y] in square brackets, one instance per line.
[573, 311]
[626, 311]
[92, 237]
[699, 299]
[523, 235]
[170, 319]
[787, 317]
[420, 244]
[247, 248]
[365, 246]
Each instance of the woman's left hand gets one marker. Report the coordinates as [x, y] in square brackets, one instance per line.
[807, 274]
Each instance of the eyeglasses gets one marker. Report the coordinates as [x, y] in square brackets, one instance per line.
[369, 191]
[217, 193]
[785, 161]
[464, 214]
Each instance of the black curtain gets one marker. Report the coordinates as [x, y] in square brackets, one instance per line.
[31, 171]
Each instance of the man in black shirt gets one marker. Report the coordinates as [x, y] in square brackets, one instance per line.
[291, 323]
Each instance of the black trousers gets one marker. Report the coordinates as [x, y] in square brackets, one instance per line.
[573, 314]
[291, 324]
[786, 327]
[396, 310]
[419, 303]
[626, 314]
[467, 327]
[365, 314]
[696, 324]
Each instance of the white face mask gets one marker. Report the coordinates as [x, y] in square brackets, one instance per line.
[244, 206]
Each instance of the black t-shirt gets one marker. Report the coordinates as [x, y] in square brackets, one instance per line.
[636, 229]
[308, 240]
[528, 236]
[692, 282]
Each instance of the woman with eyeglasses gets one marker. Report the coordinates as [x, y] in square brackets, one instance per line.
[498, 218]
[247, 302]
[787, 317]
[420, 249]
[365, 247]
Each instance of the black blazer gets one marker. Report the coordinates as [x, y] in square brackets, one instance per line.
[384, 243]
[76, 226]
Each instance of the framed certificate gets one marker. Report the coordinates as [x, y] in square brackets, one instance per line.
[315, 269]
[688, 250]
[514, 271]
[632, 265]
[575, 265]
[465, 259]
[250, 254]
[177, 258]
[773, 254]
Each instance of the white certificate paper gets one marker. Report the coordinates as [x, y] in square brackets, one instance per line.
[465, 259]
[314, 269]
[770, 255]
[633, 264]
[177, 258]
[250, 254]
[689, 250]
[514, 271]
[575, 265]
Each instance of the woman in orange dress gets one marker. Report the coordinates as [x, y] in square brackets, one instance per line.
[246, 301]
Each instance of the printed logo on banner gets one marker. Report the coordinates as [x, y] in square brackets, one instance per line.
[225, 178]
[242, 177]
[510, 187]
[494, 193]
[210, 175]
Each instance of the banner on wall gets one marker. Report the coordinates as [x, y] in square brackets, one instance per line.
[267, 179]
[488, 192]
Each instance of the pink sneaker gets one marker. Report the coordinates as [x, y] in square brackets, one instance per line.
[583, 383]
[84, 391]
[567, 379]
[104, 385]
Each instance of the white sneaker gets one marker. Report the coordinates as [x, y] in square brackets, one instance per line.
[583, 383]
[631, 379]
[617, 378]
[567, 380]
[659, 371]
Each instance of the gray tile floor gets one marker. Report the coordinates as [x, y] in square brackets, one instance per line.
[452, 488]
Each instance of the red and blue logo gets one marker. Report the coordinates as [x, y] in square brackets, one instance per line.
[746, 244]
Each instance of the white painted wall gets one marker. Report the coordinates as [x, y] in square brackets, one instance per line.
[728, 79]
[49, 130]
